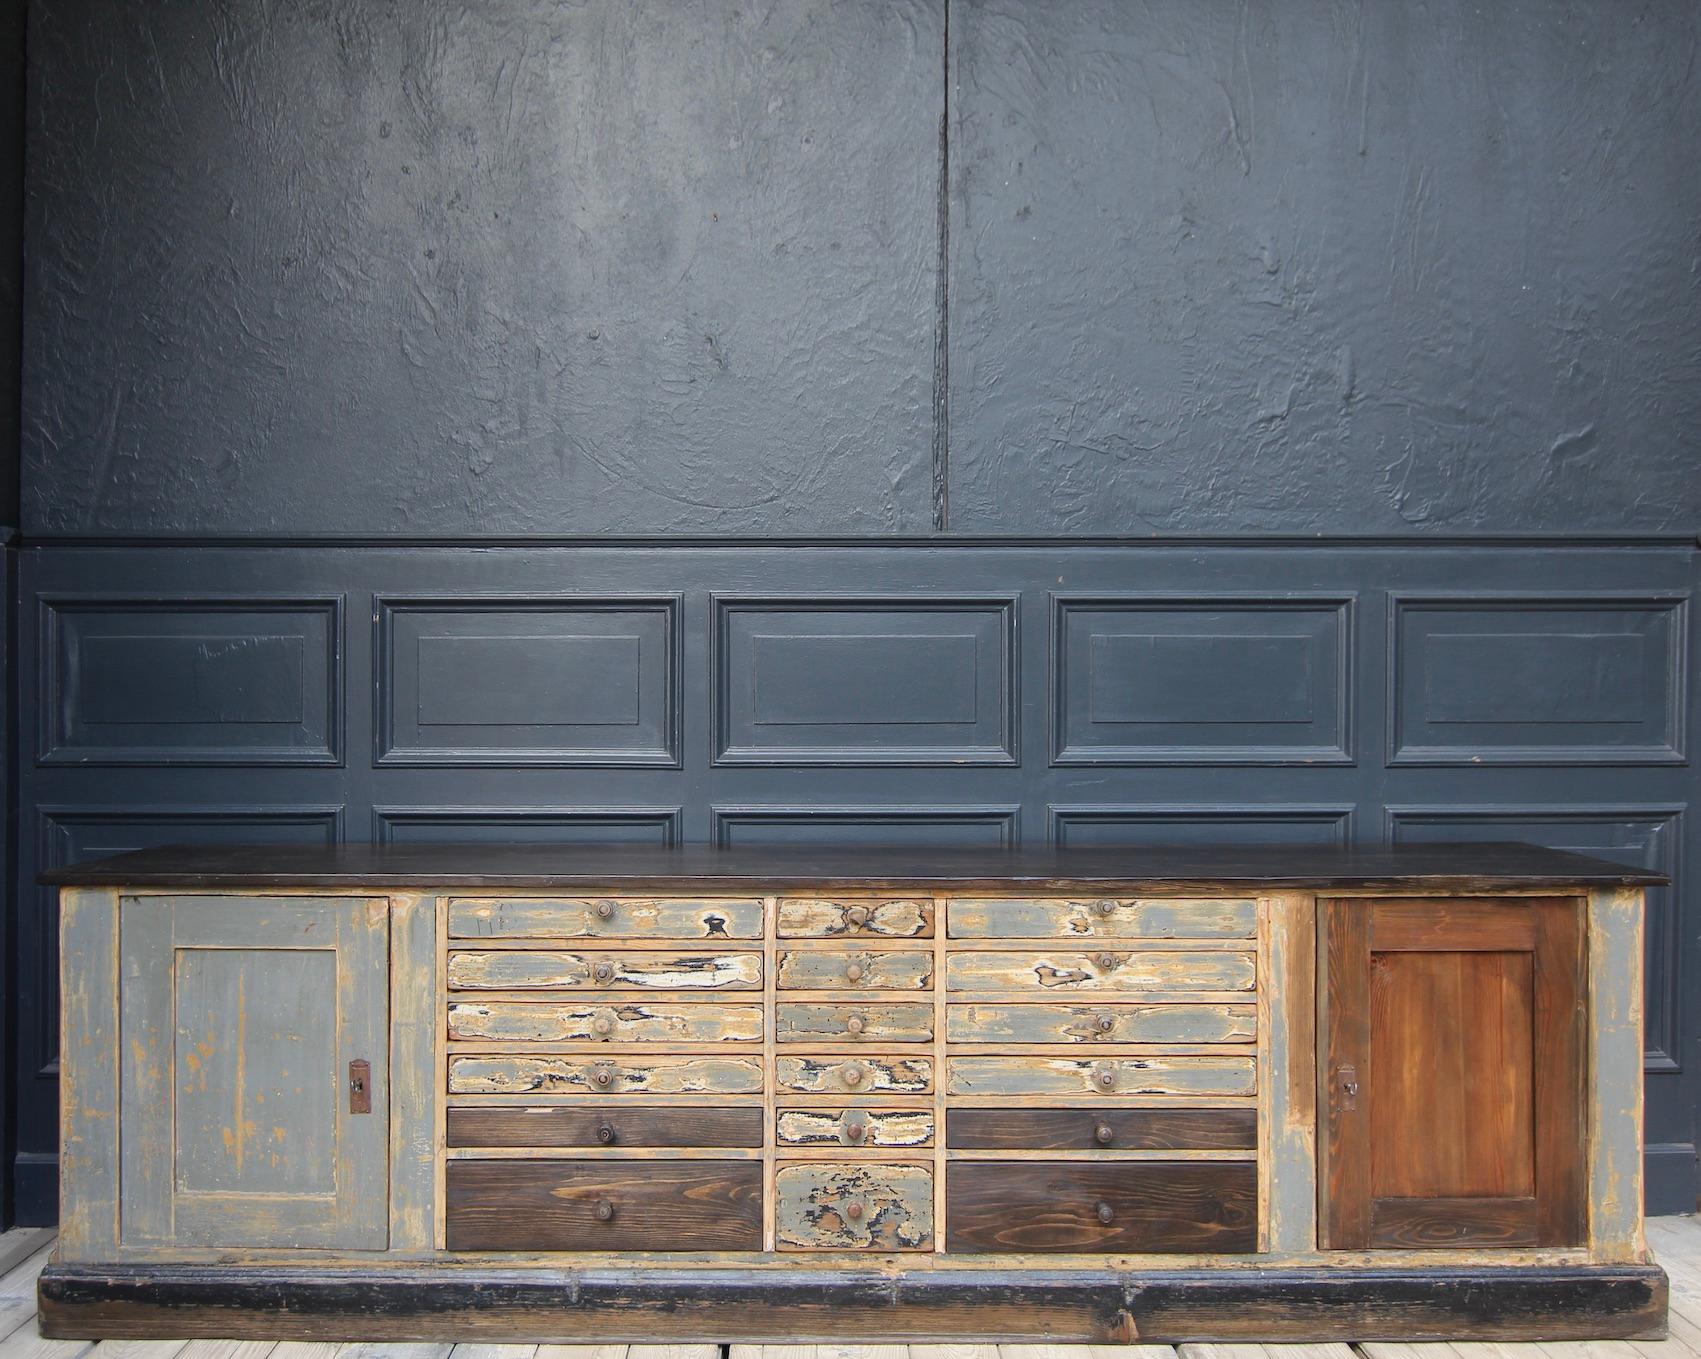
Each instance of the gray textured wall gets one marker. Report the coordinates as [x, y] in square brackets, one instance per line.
[531, 267]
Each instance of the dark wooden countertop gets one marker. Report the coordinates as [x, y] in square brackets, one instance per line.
[1464, 868]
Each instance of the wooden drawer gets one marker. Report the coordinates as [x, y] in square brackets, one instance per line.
[1101, 917]
[557, 1125]
[831, 969]
[1100, 1076]
[1101, 1206]
[502, 1074]
[624, 1021]
[877, 1129]
[1102, 970]
[1104, 1023]
[882, 1021]
[604, 1205]
[853, 1206]
[877, 917]
[605, 917]
[551, 970]
[1107, 1129]
[854, 1075]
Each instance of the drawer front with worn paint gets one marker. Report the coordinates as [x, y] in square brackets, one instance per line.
[854, 1075]
[606, 917]
[1004, 1024]
[578, 1125]
[884, 1021]
[853, 1206]
[1100, 1075]
[551, 1205]
[1101, 1206]
[826, 969]
[1102, 1129]
[1103, 970]
[878, 1129]
[1101, 917]
[501, 1074]
[621, 1021]
[823, 918]
[541, 970]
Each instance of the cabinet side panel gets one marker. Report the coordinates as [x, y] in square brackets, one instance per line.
[1287, 1049]
[415, 999]
[1615, 1079]
[88, 1079]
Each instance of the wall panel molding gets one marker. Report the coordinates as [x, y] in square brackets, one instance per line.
[253, 680]
[789, 823]
[1553, 679]
[658, 827]
[1154, 824]
[1159, 679]
[558, 680]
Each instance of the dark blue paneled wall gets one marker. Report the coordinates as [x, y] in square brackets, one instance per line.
[568, 421]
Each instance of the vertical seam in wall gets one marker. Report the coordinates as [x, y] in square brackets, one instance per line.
[942, 301]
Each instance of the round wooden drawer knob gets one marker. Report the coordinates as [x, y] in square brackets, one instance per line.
[855, 1130]
[606, 1134]
[603, 971]
[603, 1025]
[1106, 961]
[1104, 1079]
[603, 1077]
[854, 1211]
[1104, 1134]
[856, 916]
[605, 1211]
[855, 1025]
[852, 1073]
[1105, 1213]
[605, 910]
[1104, 907]
[1104, 1023]
[854, 972]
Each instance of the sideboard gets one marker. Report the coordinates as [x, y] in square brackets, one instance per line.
[529, 1092]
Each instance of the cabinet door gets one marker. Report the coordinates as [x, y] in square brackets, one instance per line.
[246, 1118]
[1453, 1082]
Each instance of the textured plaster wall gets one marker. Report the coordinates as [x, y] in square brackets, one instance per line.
[647, 266]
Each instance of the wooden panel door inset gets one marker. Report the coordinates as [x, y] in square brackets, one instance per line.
[241, 1018]
[1453, 1081]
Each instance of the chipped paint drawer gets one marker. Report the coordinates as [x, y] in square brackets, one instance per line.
[883, 1021]
[853, 1206]
[619, 1021]
[872, 1129]
[1101, 918]
[605, 917]
[553, 970]
[832, 969]
[550, 1205]
[615, 1074]
[1102, 970]
[1196, 1022]
[856, 1075]
[877, 917]
[1119, 1075]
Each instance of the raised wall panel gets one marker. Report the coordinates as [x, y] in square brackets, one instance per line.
[657, 827]
[1641, 837]
[889, 681]
[1588, 680]
[538, 681]
[1116, 826]
[1173, 681]
[190, 681]
[953, 827]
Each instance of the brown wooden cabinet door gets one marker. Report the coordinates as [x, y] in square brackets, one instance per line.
[1452, 1090]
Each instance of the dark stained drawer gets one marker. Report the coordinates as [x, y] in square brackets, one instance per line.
[604, 1205]
[558, 1126]
[1101, 1206]
[1111, 1129]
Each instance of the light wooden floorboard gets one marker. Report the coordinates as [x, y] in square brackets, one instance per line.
[1675, 1241]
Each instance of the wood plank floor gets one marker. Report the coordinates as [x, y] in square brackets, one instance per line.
[1675, 1240]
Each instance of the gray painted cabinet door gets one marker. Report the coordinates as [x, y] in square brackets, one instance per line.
[240, 1019]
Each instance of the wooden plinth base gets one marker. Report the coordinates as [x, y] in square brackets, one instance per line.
[451, 1303]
